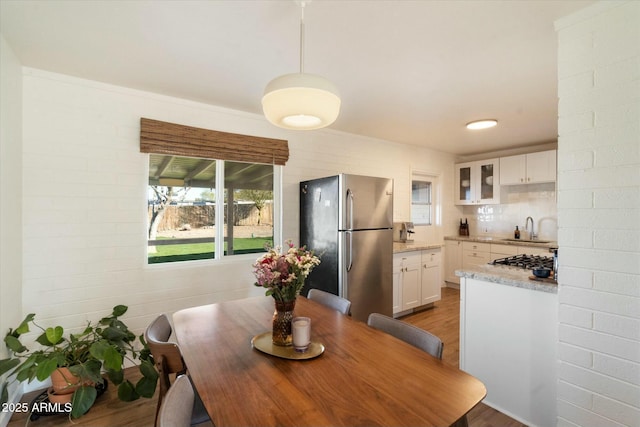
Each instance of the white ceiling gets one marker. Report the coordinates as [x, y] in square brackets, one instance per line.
[408, 71]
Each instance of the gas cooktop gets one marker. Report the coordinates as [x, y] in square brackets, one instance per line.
[527, 262]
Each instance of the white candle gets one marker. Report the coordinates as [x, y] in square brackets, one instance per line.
[301, 328]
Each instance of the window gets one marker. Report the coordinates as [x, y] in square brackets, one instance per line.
[421, 202]
[211, 194]
[184, 203]
[422, 199]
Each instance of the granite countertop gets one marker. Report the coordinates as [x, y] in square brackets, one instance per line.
[505, 241]
[414, 246]
[510, 276]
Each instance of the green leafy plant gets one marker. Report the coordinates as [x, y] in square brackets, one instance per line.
[99, 348]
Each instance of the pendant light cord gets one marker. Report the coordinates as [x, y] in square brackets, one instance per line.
[302, 37]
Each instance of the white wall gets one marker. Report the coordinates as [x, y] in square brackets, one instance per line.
[10, 195]
[85, 198]
[599, 216]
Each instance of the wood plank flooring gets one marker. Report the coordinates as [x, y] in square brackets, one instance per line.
[442, 320]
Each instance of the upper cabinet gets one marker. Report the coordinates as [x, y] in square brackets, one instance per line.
[528, 168]
[478, 183]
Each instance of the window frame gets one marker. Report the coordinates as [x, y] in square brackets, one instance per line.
[435, 192]
[219, 256]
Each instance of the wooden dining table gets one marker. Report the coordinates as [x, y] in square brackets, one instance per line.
[364, 377]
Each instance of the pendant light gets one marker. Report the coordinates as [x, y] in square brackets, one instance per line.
[301, 101]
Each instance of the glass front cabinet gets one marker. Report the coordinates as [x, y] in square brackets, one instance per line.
[477, 183]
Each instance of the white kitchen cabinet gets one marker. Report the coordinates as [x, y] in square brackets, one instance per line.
[416, 279]
[478, 182]
[475, 254]
[397, 281]
[411, 282]
[528, 168]
[430, 277]
[452, 260]
[407, 283]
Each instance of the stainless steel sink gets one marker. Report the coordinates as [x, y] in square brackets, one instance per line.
[527, 241]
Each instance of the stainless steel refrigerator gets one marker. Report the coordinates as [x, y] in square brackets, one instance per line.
[347, 220]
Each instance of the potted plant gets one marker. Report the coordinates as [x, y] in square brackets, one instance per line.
[99, 348]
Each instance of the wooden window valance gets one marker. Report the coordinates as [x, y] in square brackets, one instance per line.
[169, 138]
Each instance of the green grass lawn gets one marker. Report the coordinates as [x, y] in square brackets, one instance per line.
[188, 252]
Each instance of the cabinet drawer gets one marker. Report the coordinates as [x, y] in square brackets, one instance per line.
[476, 247]
[407, 259]
[471, 259]
[430, 258]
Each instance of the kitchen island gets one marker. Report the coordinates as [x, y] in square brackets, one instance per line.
[508, 340]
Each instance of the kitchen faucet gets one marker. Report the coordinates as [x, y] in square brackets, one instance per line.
[532, 235]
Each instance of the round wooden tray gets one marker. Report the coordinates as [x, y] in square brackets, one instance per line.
[264, 343]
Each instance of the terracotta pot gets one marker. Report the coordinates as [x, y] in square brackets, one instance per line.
[64, 382]
[60, 398]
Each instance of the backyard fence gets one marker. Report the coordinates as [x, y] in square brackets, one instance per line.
[199, 216]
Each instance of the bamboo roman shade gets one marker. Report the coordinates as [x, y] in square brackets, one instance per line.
[169, 138]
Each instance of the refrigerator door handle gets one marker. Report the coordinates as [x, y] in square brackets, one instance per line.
[349, 247]
[350, 210]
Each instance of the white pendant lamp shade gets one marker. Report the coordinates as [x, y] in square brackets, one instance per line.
[301, 101]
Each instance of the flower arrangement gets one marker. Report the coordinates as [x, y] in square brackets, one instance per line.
[283, 274]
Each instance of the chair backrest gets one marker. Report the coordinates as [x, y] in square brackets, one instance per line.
[157, 337]
[166, 356]
[177, 405]
[408, 333]
[336, 302]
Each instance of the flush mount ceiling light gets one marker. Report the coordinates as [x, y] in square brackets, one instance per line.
[299, 100]
[482, 124]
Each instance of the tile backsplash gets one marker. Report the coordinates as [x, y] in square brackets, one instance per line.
[517, 203]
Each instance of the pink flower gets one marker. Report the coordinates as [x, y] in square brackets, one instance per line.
[283, 275]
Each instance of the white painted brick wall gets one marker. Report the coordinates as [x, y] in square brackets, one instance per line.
[84, 198]
[598, 216]
[10, 207]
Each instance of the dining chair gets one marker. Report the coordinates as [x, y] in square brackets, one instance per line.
[410, 334]
[176, 407]
[336, 302]
[168, 361]
[415, 336]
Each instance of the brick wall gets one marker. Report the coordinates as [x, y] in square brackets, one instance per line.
[599, 216]
[84, 198]
[10, 193]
